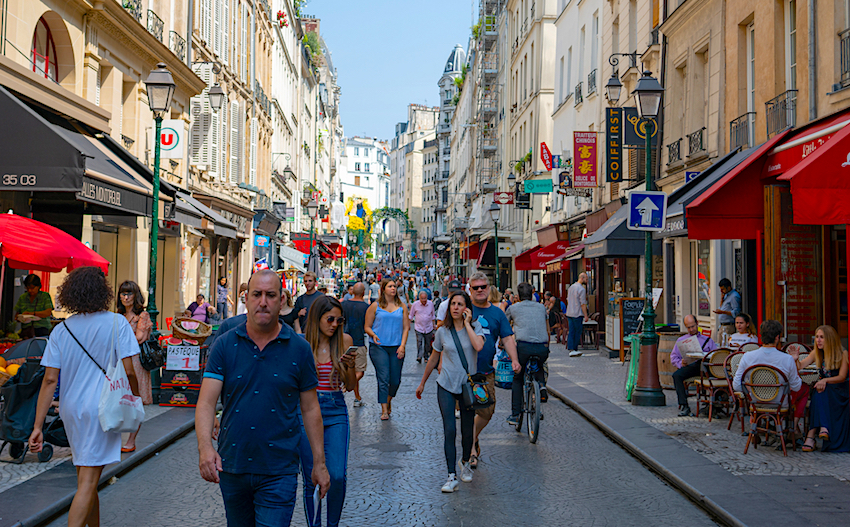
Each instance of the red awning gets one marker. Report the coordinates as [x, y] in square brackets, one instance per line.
[733, 208]
[523, 261]
[549, 253]
[481, 250]
[820, 183]
[804, 142]
[340, 251]
[472, 250]
[324, 250]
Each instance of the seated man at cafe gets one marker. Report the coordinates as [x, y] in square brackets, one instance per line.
[688, 366]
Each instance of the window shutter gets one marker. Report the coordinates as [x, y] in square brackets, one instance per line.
[213, 140]
[201, 119]
[206, 21]
[637, 164]
[225, 31]
[216, 19]
[235, 142]
[97, 87]
[252, 175]
[222, 137]
[243, 50]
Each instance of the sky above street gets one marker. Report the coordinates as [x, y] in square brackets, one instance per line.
[389, 53]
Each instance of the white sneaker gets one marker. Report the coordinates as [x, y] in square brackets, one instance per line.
[575, 353]
[457, 414]
[451, 484]
[465, 471]
[358, 403]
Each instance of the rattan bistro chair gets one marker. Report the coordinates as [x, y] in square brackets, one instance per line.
[767, 392]
[712, 382]
[799, 346]
[731, 367]
[750, 346]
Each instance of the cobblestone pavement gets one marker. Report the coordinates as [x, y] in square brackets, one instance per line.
[12, 474]
[573, 476]
[605, 377]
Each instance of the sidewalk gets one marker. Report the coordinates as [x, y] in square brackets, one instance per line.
[702, 459]
[33, 492]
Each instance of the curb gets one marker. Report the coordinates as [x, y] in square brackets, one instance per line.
[125, 465]
[666, 474]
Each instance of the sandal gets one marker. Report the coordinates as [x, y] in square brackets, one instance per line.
[126, 450]
[473, 461]
[385, 417]
[809, 447]
[824, 435]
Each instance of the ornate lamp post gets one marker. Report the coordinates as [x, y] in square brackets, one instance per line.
[648, 391]
[494, 212]
[312, 210]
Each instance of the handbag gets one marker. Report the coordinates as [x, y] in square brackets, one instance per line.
[118, 409]
[474, 390]
[151, 355]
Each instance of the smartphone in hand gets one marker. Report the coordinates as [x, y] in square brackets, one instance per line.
[352, 350]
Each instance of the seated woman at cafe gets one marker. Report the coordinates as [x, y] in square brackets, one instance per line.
[745, 332]
[829, 418]
[200, 309]
[34, 303]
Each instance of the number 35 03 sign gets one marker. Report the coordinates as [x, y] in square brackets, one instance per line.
[183, 358]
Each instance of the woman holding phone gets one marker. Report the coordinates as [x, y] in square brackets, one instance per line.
[334, 356]
[459, 327]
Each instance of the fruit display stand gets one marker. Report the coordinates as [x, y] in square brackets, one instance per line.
[181, 375]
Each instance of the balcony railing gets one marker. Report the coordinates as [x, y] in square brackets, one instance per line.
[177, 44]
[674, 152]
[447, 102]
[442, 176]
[844, 45]
[260, 95]
[781, 112]
[134, 7]
[741, 131]
[155, 25]
[696, 142]
[578, 97]
[591, 82]
[445, 128]
[653, 37]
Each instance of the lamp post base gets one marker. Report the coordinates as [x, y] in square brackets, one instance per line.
[648, 397]
[648, 390]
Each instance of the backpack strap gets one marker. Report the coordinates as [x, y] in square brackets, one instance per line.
[459, 349]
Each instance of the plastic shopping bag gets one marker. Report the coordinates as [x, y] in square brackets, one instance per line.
[119, 410]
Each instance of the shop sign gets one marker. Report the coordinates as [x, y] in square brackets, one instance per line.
[186, 358]
[690, 176]
[538, 186]
[503, 198]
[172, 137]
[556, 161]
[506, 250]
[614, 145]
[577, 192]
[784, 160]
[95, 191]
[261, 241]
[544, 256]
[674, 226]
[523, 200]
[584, 172]
[636, 130]
[546, 156]
[553, 267]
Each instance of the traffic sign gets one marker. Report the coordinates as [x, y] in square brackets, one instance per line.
[436, 256]
[647, 210]
[538, 186]
[503, 198]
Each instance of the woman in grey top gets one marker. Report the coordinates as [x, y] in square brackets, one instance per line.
[451, 379]
[531, 327]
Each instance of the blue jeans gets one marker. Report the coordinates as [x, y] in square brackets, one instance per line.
[221, 307]
[337, 432]
[574, 336]
[387, 370]
[258, 500]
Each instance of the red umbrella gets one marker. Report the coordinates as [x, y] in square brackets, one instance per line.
[31, 244]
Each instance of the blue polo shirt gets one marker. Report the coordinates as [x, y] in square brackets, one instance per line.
[261, 396]
[495, 324]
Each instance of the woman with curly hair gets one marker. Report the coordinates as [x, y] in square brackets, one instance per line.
[82, 347]
[131, 304]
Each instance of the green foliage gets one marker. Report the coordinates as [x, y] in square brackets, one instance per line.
[311, 40]
[370, 255]
[527, 158]
[518, 167]
[476, 30]
[299, 7]
[464, 70]
[455, 99]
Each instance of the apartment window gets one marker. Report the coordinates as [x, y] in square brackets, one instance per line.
[561, 81]
[366, 153]
[366, 167]
[357, 167]
[569, 71]
[751, 68]
[356, 151]
[531, 71]
[44, 51]
[581, 55]
[594, 36]
[791, 45]
[632, 25]
[357, 181]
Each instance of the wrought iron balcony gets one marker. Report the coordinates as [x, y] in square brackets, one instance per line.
[591, 82]
[781, 112]
[443, 176]
[696, 142]
[262, 100]
[177, 44]
[578, 97]
[445, 128]
[134, 7]
[674, 151]
[441, 207]
[844, 46]
[155, 25]
[741, 131]
[653, 37]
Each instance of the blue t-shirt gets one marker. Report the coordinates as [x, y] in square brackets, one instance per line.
[261, 396]
[563, 307]
[495, 325]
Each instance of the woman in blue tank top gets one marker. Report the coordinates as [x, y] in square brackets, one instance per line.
[387, 326]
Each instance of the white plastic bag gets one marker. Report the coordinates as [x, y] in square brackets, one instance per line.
[119, 410]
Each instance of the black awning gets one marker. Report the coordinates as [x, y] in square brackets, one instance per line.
[614, 238]
[221, 226]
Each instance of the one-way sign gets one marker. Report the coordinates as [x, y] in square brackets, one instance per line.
[647, 210]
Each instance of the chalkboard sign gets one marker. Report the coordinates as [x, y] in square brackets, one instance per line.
[630, 311]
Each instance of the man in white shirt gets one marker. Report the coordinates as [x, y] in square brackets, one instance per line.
[576, 307]
[768, 354]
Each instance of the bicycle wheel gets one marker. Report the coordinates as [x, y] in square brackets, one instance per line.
[533, 411]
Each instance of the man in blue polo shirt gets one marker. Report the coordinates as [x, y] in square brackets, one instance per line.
[496, 326]
[264, 371]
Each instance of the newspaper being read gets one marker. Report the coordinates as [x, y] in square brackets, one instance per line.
[689, 345]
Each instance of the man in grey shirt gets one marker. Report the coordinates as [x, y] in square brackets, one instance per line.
[576, 307]
[531, 328]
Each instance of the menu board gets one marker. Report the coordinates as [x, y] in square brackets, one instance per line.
[631, 310]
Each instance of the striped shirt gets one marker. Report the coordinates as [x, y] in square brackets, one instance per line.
[328, 378]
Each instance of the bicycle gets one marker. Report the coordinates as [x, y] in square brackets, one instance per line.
[531, 400]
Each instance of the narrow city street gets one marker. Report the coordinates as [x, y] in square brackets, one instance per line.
[574, 475]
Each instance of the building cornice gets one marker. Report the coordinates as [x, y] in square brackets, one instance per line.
[680, 16]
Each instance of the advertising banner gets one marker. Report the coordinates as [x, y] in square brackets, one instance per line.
[584, 171]
[546, 156]
[171, 139]
[613, 145]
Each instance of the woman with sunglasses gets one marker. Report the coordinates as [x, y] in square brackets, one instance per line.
[387, 326]
[324, 333]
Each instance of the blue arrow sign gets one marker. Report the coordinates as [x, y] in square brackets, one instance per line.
[647, 210]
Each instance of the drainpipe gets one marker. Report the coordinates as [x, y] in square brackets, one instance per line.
[813, 107]
[190, 17]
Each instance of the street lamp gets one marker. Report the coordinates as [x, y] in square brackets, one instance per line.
[352, 240]
[312, 210]
[494, 212]
[216, 95]
[613, 88]
[160, 87]
[647, 390]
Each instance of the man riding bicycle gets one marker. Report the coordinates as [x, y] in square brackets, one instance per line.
[531, 328]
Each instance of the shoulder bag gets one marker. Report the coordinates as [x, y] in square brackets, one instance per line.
[474, 390]
[118, 410]
[151, 355]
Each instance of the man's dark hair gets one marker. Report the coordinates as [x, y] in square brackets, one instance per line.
[769, 330]
[32, 279]
[525, 291]
[725, 283]
[85, 290]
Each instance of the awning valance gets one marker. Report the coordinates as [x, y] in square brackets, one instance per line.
[614, 238]
[523, 261]
[549, 253]
[220, 226]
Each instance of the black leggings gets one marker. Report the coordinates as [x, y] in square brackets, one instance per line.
[447, 400]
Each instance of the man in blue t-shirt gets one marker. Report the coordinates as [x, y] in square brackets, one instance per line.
[496, 326]
[263, 372]
[354, 311]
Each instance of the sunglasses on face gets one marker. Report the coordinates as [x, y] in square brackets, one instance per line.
[126, 294]
[478, 287]
[331, 319]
